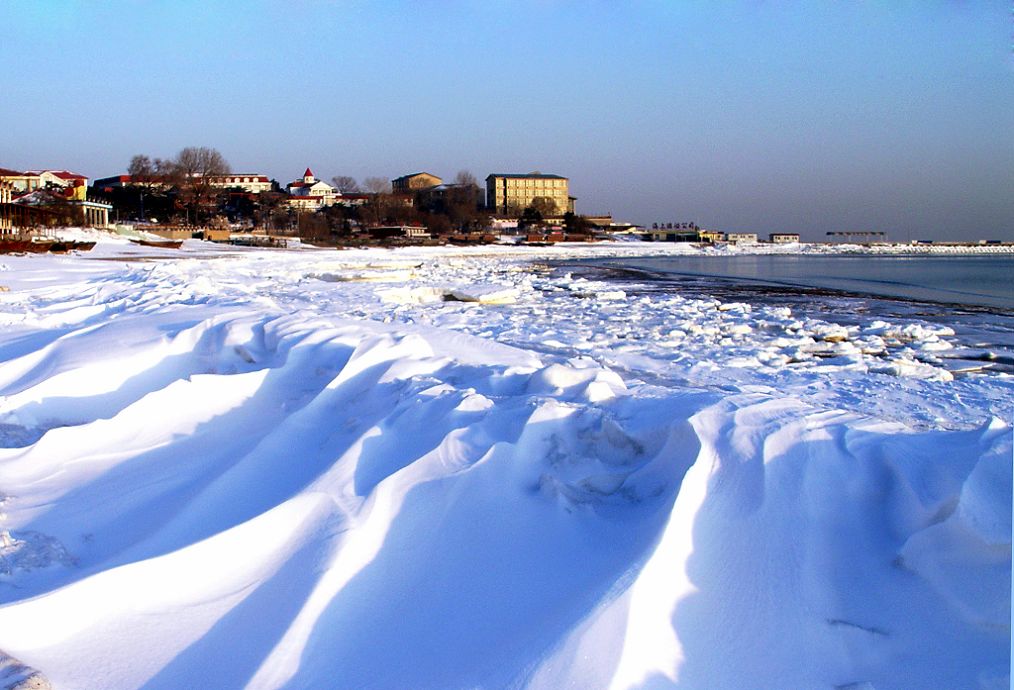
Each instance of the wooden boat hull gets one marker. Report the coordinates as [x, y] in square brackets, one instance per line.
[165, 244]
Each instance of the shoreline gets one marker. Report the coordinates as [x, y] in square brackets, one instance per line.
[959, 280]
[734, 285]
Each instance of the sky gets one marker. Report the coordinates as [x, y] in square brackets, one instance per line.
[755, 116]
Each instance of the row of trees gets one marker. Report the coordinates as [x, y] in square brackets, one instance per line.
[189, 176]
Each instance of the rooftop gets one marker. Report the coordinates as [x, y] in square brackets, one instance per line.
[405, 177]
[534, 175]
[62, 174]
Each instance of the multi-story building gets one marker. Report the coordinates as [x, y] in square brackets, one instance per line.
[407, 184]
[510, 193]
[248, 182]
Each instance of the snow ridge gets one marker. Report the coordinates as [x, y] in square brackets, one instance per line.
[223, 473]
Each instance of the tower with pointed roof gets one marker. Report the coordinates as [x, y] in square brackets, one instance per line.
[310, 193]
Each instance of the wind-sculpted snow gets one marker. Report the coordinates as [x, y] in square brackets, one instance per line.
[224, 473]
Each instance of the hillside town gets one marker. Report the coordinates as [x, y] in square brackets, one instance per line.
[198, 195]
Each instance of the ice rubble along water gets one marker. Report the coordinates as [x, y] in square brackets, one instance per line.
[234, 468]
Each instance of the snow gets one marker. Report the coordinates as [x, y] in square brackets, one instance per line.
[436, 467]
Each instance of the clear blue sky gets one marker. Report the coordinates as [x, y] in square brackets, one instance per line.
[751, 116]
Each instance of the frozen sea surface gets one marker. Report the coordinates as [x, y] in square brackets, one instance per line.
[811, 285]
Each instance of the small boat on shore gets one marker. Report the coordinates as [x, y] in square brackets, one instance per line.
[15, 246]
[24, 246]
[41, 246]
[164, 244]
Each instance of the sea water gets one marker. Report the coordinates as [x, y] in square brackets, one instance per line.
[972, 294]
[986, 281]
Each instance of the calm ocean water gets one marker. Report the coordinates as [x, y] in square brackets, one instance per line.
[985, 281]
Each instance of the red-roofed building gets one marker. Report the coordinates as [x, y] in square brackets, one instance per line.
[108, 183]
[21, 182]
[310, 193]
[248, 182]
[59, 178]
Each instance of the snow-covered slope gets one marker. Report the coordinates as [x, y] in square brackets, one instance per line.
[253, 468]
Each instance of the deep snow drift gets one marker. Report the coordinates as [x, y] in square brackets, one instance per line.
[453, 469]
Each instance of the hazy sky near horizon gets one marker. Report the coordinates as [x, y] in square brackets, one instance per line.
[749, 116]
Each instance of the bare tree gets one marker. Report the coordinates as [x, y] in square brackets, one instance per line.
[379, 190]
[149, 178]
[463, 200]
[464, 177]
[530, 217]
[377, 185]
[269, 206]
[200, 163]
[193, 172]
[345, 184]
[140, 168]
[145, 171]
[545, 206]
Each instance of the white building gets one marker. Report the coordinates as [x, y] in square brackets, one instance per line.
[304, 203]
[58, 178]
[30, 180]
[741, 237]
[784, 237]
[248, 182]
[311, 193]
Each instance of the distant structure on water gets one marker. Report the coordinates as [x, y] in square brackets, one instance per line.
[858, 236]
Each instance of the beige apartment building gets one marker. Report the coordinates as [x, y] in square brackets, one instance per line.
[509, 193]
[407, 184]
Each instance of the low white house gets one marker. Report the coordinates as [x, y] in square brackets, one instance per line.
[741, 237]
[303, 203]
[784, 237]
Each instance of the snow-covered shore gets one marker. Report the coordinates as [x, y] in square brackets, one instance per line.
[439, 468]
